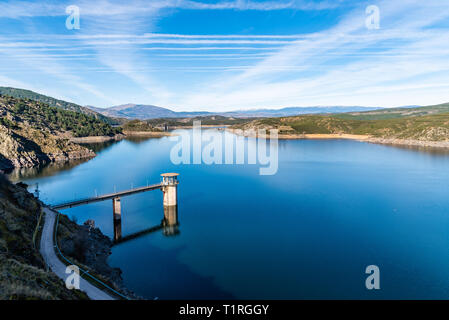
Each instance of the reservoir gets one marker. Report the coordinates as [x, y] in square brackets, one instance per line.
[309, 231]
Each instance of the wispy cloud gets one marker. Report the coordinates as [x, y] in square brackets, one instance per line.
[16, 9]
[345, 64]
[332, 77]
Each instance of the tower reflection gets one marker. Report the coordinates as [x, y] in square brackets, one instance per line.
[117, 229]
[169, 226]
[170, 222]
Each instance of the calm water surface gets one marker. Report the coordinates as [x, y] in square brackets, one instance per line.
[333, 208]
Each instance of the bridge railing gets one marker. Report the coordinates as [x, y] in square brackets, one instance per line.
[106, 196]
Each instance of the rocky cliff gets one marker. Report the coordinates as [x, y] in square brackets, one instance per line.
[16, 150]
[28, 139]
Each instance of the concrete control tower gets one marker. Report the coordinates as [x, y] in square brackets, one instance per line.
[170, 189]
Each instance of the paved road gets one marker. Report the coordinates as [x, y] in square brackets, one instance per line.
[47, 250]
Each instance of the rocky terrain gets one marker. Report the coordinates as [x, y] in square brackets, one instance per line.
[28, 139]
[30, 148]
[88, 247]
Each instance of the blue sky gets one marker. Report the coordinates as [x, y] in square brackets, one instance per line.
[225, 55]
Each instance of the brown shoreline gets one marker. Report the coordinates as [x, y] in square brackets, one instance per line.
[155, 134]
[366, 138]
[117, 137]
[319, 136]
[95, 139]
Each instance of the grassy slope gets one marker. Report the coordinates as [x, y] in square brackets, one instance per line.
[434, 127]
[394, 113]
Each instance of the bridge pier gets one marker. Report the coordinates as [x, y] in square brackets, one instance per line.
[117, 208]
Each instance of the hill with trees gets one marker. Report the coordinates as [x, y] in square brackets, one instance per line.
[42, 116]
[33, 133]
[52, 102]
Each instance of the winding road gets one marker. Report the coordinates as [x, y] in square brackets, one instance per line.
[47, 250]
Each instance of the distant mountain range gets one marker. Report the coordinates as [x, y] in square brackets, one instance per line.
[293, 111]
[144, 112]
[112, 115]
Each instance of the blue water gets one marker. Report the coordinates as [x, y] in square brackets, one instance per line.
[333, 208]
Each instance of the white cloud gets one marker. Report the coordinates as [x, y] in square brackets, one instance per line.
[344, 65]
[17, 9]
[412, 54]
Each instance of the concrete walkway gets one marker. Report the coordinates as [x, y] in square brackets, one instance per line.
[47, 249]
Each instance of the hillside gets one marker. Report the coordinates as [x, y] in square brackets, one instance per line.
[33, 133]
[23, 274]
[41, 116]
[393, 113]
[52, 102]
[433, 127]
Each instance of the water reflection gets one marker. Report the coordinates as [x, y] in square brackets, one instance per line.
[98, 146]
[53, 168]
[42, 171]
[169, 226]
[429, 150]
[170, 222]
[117, 229]
[138, 140]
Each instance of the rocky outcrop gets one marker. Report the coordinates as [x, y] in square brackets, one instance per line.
[30, 147]
[90, 247]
